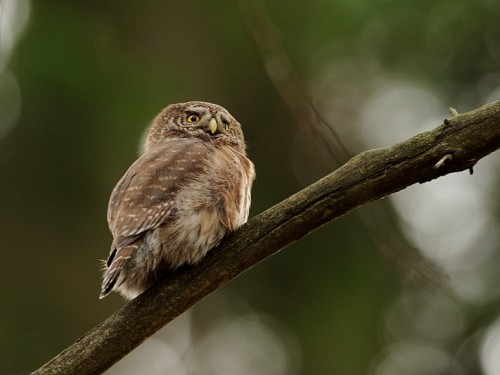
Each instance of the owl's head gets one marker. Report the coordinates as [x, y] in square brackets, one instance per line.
[207, 121]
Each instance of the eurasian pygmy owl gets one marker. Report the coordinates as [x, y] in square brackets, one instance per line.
[189, 188]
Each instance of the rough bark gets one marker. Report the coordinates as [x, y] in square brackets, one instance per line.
[454, 146]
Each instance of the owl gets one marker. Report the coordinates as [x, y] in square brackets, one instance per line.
[189, 188]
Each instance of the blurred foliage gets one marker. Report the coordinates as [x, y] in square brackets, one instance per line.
[93, 74]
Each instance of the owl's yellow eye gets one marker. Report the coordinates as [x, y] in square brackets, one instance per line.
[192, 119]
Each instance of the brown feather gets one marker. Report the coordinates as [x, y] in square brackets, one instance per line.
[179, 199]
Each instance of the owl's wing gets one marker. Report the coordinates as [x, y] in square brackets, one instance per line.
[145, 196]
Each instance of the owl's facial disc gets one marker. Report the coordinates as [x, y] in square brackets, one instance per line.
[206, 120]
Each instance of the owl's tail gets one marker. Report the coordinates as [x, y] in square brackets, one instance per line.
[115, 264]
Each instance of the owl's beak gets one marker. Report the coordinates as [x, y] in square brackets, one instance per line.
[212, 125]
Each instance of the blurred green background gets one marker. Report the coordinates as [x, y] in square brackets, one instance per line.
[79, 83]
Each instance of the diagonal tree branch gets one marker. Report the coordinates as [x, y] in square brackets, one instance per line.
[368, 176]
[279, 68]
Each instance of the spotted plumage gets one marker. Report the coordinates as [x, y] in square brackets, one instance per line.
[189, 188]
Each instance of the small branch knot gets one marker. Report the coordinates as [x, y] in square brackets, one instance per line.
[453, 113]
[443, 160]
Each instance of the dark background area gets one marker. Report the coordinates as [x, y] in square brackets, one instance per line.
[79, 83]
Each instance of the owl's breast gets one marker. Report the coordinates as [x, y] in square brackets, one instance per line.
[189, 238]
[209, 205]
